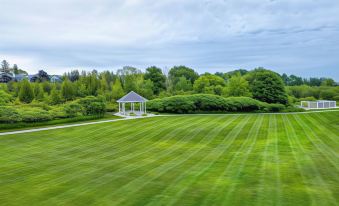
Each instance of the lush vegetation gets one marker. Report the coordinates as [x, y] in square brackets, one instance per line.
[281, 159]
[199, 103]
[44, 97]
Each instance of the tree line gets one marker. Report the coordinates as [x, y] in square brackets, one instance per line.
[260, 84]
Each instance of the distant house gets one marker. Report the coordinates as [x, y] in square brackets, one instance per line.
[6, 77]
[56, 78]
[20, 77]
[32, 78]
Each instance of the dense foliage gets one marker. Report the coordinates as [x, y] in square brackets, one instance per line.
[93, 93]
[209, 103]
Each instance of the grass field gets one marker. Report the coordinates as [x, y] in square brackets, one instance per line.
[255, 159]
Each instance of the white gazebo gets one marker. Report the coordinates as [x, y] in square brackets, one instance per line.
[320, 104]
[132, 98]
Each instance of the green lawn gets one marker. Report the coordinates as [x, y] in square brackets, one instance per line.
[281, 159]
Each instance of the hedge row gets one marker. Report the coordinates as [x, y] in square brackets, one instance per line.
[87, 106]
[210, 103]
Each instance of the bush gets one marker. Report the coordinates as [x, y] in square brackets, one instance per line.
[209, 103]
[275, 107]
[9, 115]
[93, 105]
[308, 99]
[5, 98]
[34, 115]
[111, 107]
[73, 109]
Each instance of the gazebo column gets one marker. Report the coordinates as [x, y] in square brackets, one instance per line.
[145, 108]
[119, 107]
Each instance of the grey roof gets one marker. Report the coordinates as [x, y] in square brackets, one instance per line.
[132, 97]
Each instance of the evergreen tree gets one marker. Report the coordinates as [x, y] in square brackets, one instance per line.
[26, 94]
[117, 91]
[4, 66]
[38, 92]
[55, 97]
[15, 69]
[67, 90]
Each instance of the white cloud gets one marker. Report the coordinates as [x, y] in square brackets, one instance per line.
[103, 33]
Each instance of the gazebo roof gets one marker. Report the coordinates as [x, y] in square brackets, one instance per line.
[132, 97]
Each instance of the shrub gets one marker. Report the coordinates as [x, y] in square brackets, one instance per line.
[111, 107]
[34, 115]
[132, 114]
[73, 109]
[275, 107]
[9, 115]
[93, 105]
[204, 103]
[5, 98]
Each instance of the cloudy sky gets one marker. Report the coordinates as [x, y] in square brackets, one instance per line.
[299, 37]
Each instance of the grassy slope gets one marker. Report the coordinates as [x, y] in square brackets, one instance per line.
[282, 159]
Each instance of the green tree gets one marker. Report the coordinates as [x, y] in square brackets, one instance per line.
[183, 84]
[117, 91]
[67, 90]
[209, 83]
[181, 71]
[146, 89]
[38, 92]
[328, 82]
[237, 86]
[267, 86]
[26, 94]
[157, 77]
[4, 66]
[55, 97]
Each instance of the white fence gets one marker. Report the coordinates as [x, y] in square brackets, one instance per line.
[321, 104]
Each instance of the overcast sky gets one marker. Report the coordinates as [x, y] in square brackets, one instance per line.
[291, 36]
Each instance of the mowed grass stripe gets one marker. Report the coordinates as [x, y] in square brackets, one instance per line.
[62, 156]
[139, 183]
[316, 141]
[66, 169]
[107, 178]
[186, 180]
[322, 130]
[161, 156]
[311, 177]
[244, 188]
[97, 170]
[222, 183]
[60, 136]
[282, 159]
[267, 172]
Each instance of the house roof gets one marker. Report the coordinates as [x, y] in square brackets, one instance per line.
[132, 97]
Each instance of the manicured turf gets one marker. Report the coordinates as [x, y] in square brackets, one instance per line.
[281, 159]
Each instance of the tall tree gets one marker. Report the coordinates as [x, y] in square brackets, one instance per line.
[55, 97]
[182, 71]
[157, 77]
[209, 83]
[117, 91]
[15, 69]
[4, 66]
[237, 86]
[267, 86]
[26, 94]
[183, 84]
[67, 90]
[38, 92]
